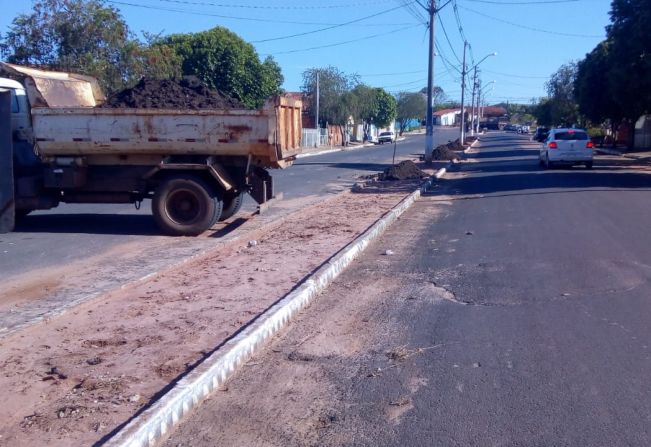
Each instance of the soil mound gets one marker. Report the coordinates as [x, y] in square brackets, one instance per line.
[187, 93]
[455, 145]
[444, 152]
[405, 170]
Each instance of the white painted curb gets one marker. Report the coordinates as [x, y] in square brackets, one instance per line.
[153, 425]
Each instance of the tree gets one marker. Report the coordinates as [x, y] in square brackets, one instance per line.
[593, 89]
[629, 53]
[438, 96]
[410, 106]
[336, 100]
[225, 62]
[83, 36]
[560, 88]
[386, 109]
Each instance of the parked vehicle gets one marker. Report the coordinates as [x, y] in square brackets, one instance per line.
[540, 134]
[386, 137]
[195, 165]
[567, 146]
[523, 129]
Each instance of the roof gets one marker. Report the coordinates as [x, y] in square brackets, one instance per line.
[10, 83]
[446, 111]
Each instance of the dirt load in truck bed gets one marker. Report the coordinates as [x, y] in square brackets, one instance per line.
[187, 93]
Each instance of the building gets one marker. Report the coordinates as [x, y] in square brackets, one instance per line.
[447, 117]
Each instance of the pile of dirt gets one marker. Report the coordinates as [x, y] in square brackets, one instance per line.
[455, 145]
[445, 152]
[187, 93]
[405, 170]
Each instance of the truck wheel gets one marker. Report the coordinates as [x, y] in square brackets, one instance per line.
[232, 204]
[185, 206]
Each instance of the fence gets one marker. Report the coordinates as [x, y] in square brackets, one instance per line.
[314, 138]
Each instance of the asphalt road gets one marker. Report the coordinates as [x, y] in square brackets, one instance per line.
[72, 232]
[515, 311]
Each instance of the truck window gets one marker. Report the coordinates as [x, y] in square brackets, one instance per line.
[14, 102]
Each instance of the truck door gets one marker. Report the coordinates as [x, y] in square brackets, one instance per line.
[7, 208]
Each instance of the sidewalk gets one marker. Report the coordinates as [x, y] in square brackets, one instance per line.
[637, 155]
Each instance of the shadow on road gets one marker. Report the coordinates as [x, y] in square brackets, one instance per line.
[116, 224]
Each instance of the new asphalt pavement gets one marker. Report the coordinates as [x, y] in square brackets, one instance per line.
[513, 308]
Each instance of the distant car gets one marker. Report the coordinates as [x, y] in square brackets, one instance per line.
[540, 134]
[386, 137]
[510, 128]
[523, 129]
[567, 146]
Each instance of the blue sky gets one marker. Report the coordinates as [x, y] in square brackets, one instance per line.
[384, 41]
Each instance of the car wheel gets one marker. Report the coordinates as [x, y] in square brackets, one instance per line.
[588, 164]
[548, 164]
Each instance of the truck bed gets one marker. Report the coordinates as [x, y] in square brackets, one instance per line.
[271, 135]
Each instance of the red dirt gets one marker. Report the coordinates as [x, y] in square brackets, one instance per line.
[74, 378]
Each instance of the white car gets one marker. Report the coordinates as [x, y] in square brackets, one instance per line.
[567, 146]
[386, 137]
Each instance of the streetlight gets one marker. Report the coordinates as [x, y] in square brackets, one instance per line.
[463, 87]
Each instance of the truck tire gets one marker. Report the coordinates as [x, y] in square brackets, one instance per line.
[185, 206]
[232, 204]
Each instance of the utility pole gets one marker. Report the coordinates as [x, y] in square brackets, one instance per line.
[472, 112]
[316, 119]
[478, 103]
[429, 119]
[429, 133]
[462, 136]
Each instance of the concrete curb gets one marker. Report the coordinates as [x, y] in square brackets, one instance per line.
[152, 426]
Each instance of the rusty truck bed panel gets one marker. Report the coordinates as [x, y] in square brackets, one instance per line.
[271, 134]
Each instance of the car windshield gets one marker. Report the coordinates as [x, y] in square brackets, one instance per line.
[384, 134]
[571, 135]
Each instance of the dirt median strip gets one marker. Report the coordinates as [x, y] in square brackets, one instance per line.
[76, 378]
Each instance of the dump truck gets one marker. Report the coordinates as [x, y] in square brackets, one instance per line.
[194, 165]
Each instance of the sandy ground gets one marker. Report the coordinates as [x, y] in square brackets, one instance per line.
[295, 392]
[74, 379]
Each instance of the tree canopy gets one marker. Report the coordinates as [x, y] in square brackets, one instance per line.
[410, 106]
[225, 62]
[84, 36]
[342, 96]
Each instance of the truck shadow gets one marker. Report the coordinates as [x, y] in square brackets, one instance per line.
[115, 224]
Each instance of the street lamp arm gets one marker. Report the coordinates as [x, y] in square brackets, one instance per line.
[483, 59]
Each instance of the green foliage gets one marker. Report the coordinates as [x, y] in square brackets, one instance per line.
[629, 56]
[593, 89]
[83, 36]
[335, 97]
[386, 108]
[562, 107]
[410, 106]
[225, 62]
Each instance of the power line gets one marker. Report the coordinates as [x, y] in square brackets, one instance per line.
[406, 83]
[326, 28]
[390, 74]
[445, 33]
[344, 42]
[414, 11]
[461, 32]
[250, 19]
[530, 28]
[516, 76]
[283, 7]
[534, 2]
